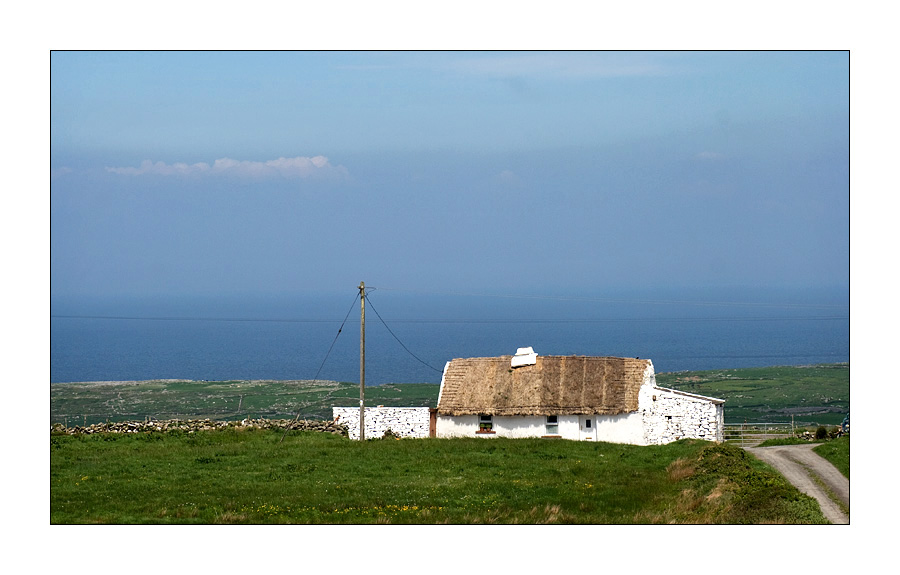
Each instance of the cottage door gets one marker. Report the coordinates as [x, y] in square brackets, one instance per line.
[588, 428]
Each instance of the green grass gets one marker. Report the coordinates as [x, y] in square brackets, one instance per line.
[837, 451]
[87, 403]
[248, 476]
[787, 441]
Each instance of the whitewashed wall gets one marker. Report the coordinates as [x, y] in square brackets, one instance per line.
[402, 421]
[503, 426]
[622, 428]
[669, 415]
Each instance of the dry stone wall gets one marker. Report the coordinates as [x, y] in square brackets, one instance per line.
[669, 415]
[402, 421]
[192, 425]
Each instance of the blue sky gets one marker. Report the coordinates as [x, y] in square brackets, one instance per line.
[509, 172]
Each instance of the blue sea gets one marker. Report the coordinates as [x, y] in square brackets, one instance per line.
[410, 336]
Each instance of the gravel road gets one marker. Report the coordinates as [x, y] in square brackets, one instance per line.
[812, 475]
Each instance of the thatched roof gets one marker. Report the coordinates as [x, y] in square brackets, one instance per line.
[555, 385]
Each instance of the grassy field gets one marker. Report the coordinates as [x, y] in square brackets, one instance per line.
[837, 451]
[248, 476]
[79, 403]
[817, 394]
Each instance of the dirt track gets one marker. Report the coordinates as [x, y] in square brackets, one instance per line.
[812, 475]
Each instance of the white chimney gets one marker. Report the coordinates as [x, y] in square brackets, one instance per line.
[524, 356]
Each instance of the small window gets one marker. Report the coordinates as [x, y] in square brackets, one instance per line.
[485, 423]
[552, 425]
[587, 423]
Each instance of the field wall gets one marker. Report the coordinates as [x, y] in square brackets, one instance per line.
[669, 415]
[402, 421]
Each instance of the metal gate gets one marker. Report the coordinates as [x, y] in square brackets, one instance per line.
[750, 434]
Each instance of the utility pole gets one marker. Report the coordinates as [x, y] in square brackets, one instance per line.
[362, 361]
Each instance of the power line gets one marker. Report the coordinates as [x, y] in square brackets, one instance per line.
[398, 339]
[188, 318]
[615, 320]
[618, 300]
[468, 320]
[336, 337]
[326, 355]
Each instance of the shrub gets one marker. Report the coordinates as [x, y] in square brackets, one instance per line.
[821, 432]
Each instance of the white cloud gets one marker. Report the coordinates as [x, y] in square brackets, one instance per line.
[292, 168]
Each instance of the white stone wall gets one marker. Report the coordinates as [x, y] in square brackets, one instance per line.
[669, 415]
[402, 421]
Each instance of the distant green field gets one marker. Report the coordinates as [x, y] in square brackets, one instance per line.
[815, 394]
[818, 394]
[78, 403]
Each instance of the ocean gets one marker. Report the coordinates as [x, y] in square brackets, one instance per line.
[410, 336]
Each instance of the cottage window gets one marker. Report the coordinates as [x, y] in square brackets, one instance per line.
[485, 423]
[552, 425]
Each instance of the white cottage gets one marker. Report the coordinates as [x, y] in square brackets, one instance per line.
[612, 399]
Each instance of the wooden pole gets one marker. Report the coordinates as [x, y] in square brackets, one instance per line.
[362, 361]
